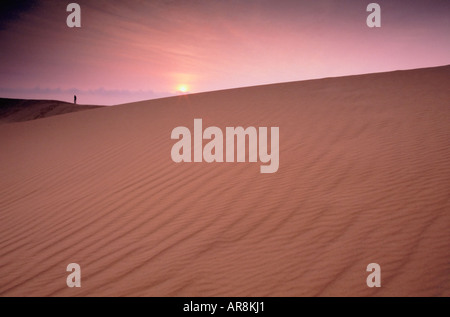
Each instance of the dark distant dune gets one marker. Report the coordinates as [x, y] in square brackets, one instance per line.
[364, 177]
[17, 110]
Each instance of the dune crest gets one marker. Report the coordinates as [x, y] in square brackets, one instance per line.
[18, 110]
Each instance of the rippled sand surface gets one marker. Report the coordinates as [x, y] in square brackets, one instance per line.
[364, 177]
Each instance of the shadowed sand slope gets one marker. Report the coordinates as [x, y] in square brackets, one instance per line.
[17, 110]
[364, 177]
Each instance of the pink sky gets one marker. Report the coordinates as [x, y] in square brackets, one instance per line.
[134, 50]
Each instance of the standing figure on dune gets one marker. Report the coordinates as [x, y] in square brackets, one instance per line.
[75, 99]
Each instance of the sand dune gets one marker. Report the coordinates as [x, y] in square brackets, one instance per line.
[364, 177]
[17, 110]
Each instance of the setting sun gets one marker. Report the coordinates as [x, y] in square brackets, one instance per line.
[183, 88]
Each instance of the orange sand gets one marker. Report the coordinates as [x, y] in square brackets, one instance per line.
[364, 177]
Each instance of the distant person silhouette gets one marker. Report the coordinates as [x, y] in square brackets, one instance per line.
[75, 99]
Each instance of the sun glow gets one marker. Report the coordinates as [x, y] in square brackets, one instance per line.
[183, 88]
